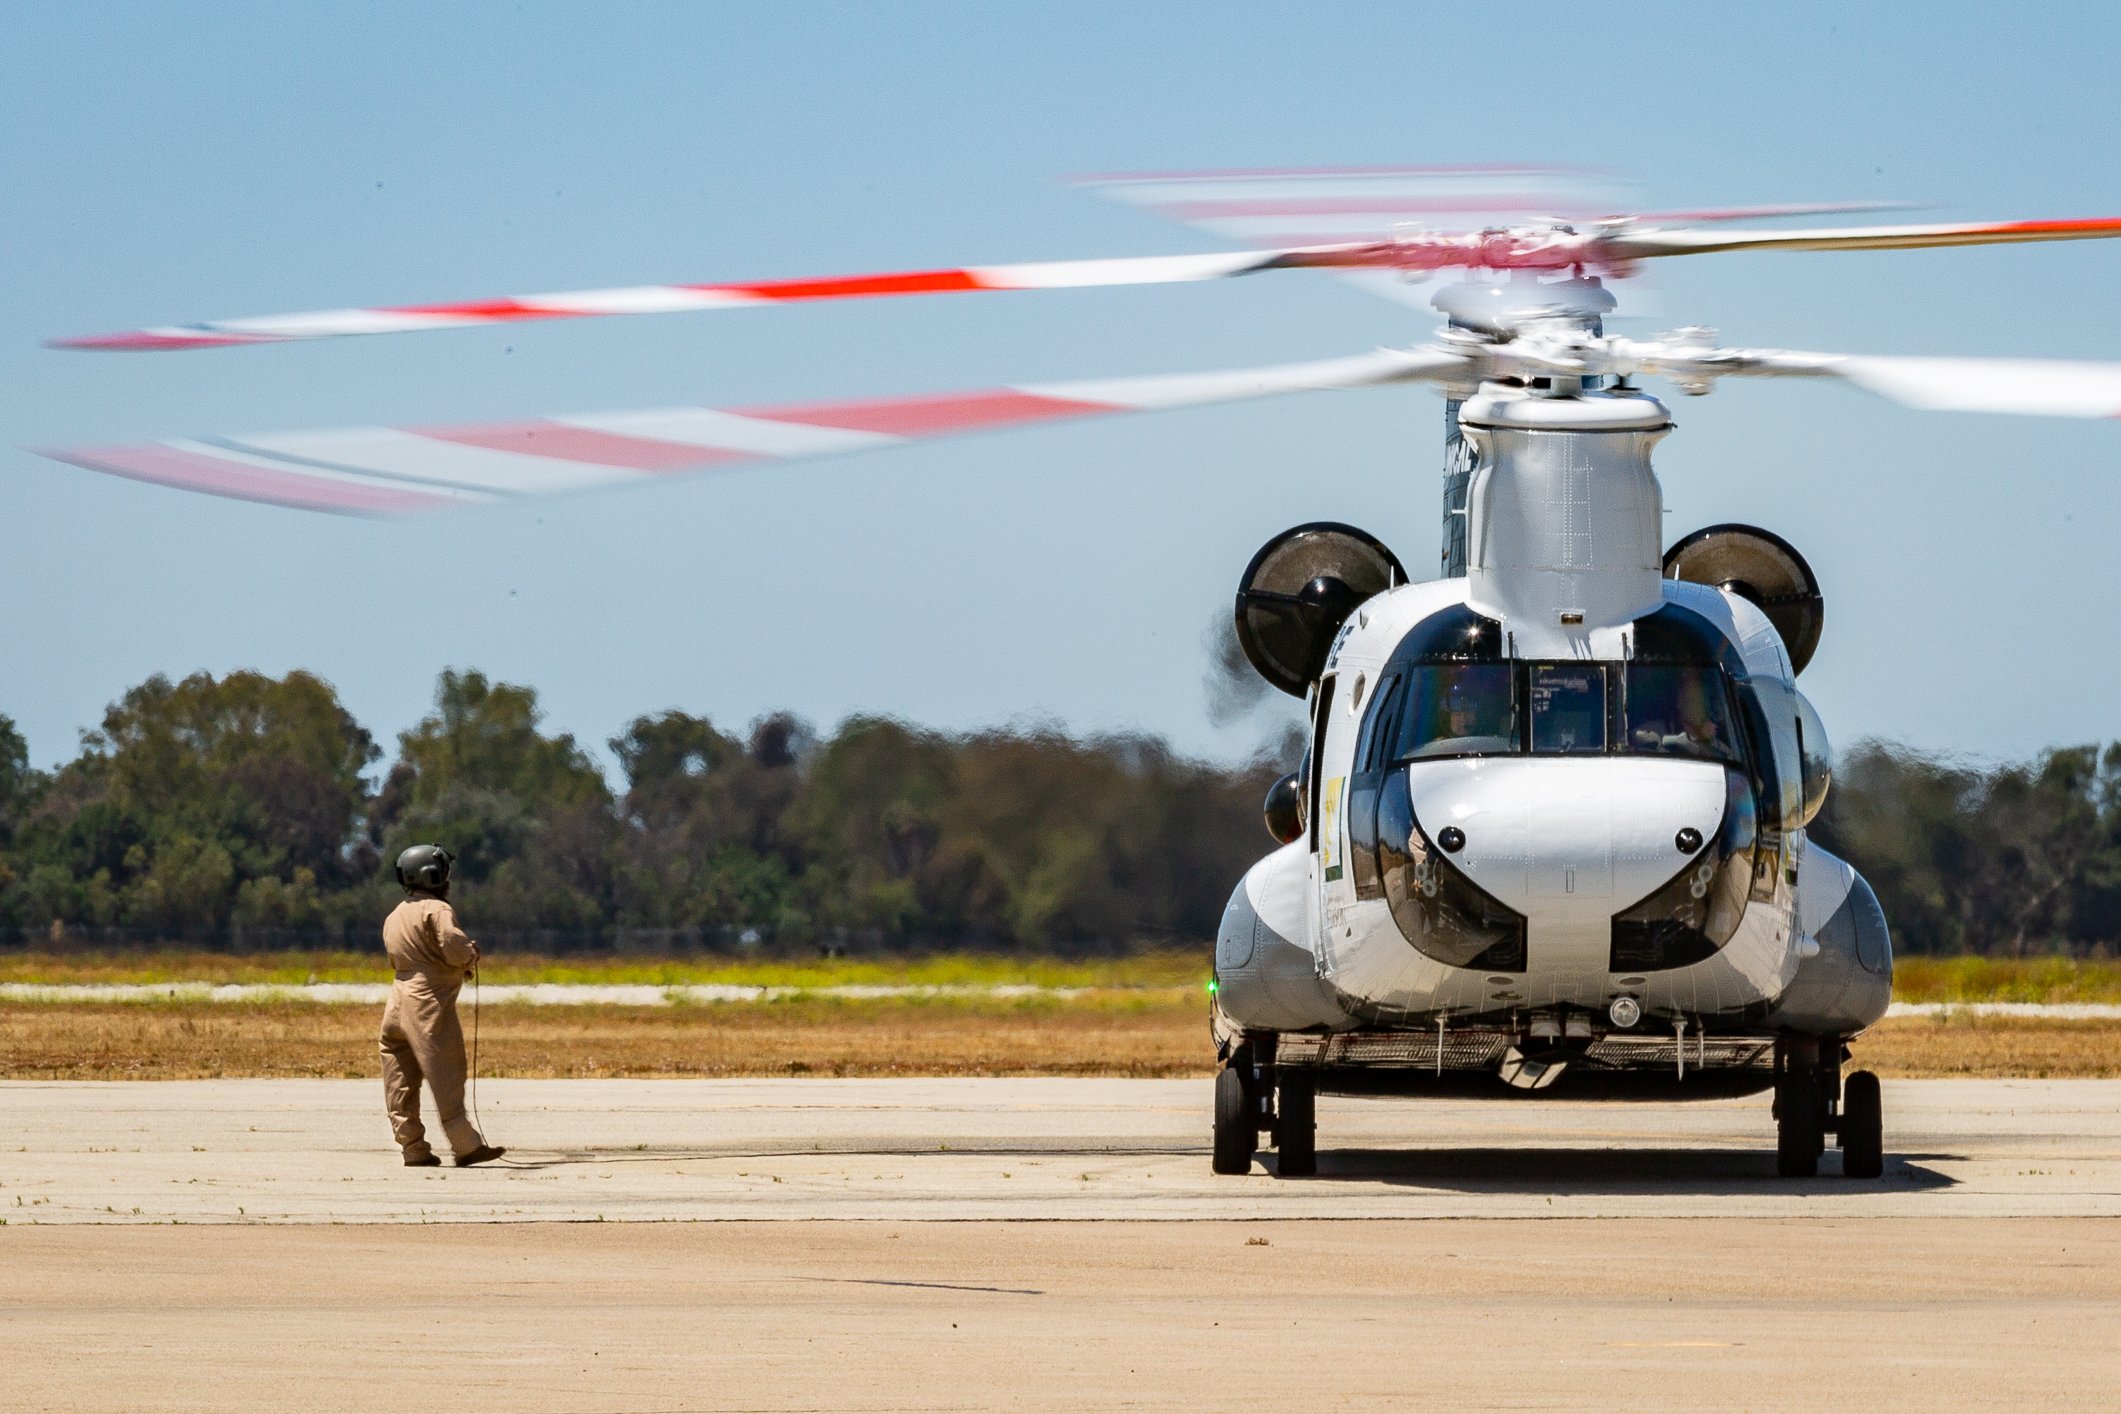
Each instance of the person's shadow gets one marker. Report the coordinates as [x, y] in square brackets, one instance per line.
[897, 1149]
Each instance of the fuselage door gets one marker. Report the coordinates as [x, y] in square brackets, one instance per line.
[1340, 703]
[1372, 763]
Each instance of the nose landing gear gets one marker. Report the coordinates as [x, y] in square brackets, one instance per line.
[1812, 1100]
[1236, 1118]
[1296, 1126]
[1252, 1097]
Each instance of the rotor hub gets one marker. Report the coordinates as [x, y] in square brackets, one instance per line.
[1501, 302]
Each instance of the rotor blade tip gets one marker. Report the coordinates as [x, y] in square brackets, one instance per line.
[150, 341]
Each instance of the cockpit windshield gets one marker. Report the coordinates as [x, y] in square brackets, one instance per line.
[1431, 710]
[1568, 707]
[1453, 688]
[1458, 709]
[1679, 710]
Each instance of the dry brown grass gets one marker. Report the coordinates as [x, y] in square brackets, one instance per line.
[1990, 1047]
[1166, 1035]
[187, 1042]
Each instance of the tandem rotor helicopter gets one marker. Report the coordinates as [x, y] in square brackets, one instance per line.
[1548, 836]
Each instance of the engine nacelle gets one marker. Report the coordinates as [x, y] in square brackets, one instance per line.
[1761, 567]
[1298, 591]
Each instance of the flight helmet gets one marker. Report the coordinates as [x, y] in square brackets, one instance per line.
[425, 866]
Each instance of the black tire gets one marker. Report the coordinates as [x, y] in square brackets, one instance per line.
[1236, 1123]
[1296, 1126]
[1862, 1127]
[1799, 1131]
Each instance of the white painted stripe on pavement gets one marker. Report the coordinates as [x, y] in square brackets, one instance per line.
[2031, 1011]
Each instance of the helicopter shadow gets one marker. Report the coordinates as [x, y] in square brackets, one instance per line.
[1610, 1172]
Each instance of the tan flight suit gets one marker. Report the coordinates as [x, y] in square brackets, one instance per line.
[421, 1036]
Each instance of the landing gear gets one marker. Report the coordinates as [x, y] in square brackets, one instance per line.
[1296, 1125]
[1236, 1124]
[1253, 1097]
[1244, 1093]
[1800, 1130]
[1812, 1101]
[1862, 1127]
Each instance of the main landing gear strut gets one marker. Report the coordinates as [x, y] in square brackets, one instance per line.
[1252, 1097]
[1812, 1100]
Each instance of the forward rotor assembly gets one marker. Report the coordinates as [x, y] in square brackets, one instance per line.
[1761, 567]
[1298, 591]
[1535, 247]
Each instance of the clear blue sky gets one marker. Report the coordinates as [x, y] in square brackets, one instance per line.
[164, 163]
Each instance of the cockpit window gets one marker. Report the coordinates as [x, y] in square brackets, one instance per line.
[1427, 711]
[1568, 707]
[1458, 709]
[1676, 710]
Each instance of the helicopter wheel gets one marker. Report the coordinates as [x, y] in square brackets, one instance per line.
[1862, 1127]
[1236, 1120]
[1800, 1128]
[1296, 1126]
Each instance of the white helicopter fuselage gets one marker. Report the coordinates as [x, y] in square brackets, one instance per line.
[1557, 861]
[1566, 841]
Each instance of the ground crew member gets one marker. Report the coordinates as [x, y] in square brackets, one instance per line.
[421, 1036]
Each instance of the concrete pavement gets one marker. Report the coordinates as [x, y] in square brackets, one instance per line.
[305, 1151]
[1045, 1244]
[1639, 1314]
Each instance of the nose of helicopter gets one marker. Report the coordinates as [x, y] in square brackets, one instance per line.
[1569, 842]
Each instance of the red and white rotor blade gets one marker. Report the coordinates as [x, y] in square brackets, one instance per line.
[674, 299]
[2036, 386]
[1317, 206]
[407, 470]
[1780, 211]
[1644, 244]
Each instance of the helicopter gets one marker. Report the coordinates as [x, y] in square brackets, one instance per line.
[1548, 835]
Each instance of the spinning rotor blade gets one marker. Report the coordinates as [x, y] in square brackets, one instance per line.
[407, 470]
[1761, 213]
[1384, 216]
[1643, 244]
[1337, 205]
[1330, 205]
[1504, 218]
[1362, 206]
[2036, 386]
[670, 299]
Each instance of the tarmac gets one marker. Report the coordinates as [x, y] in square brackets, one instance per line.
[1047, 1243]
[318, 1151]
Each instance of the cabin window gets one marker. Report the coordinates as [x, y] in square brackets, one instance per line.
[1678, 710]
[1372, 748]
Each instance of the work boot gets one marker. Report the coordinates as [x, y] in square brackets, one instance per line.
[480, 1155]
[427, 1162]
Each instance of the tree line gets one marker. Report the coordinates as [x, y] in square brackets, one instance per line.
[254, 811]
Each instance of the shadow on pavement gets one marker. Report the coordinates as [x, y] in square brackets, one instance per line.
[903, 1149]
[1608, 1171]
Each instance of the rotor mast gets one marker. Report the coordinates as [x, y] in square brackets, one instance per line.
[1486, 306]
